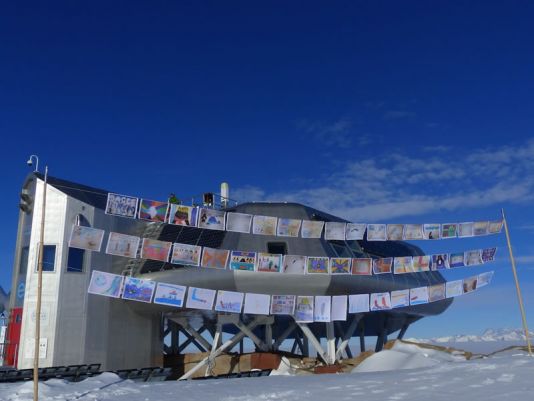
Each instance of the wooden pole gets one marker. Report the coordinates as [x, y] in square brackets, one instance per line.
[519, 297]
[39, 293]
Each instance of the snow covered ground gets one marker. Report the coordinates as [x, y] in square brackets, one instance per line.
[404, 372]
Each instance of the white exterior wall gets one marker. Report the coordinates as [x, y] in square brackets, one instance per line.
[81, 328]
[56, 204]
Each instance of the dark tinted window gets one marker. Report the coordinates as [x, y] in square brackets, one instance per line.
[75, 260]
[49, 258]
[277, 247]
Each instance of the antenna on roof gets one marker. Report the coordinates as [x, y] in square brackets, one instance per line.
[225, 194]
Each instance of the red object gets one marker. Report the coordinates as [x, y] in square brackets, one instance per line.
[265, 361]
[328, 369]
[12, 341]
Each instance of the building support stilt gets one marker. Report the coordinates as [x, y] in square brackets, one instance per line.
[244, 331]
[347, 336]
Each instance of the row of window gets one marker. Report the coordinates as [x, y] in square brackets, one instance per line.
[75, 259]
[76, 256]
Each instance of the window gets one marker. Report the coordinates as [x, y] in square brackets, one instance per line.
[49, 258]
[341, 250]
[75, 260]
[277, 247]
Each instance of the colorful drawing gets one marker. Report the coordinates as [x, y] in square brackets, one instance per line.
[243, 260]
[362, 266]
[355, 231]
[317, 265]
[264, 225]
[229, 301]
[421, 263]
[400, 298]
[480, 228]
[380, 301]
[488, 254]
[288, 227]
[155, 249]
[449, 230]
[86, 238]
[122, 245]
[358, 303]
[106, 284]
[322, 309]
[456, 260]
[269, 262]
[382, 265]
[402, 264]
[484, 279]
[153, 210]
[304, 309]
[418, 295]
[472, 258]
[440, 261]
[376, 232]
[136, 289]
[340, 265]
[170, 294]
[470, 284]
[184, 254]
[465, 229]
[495, 227]
[181, 215]
[211, 219]
[200, 298]
[454, 288]
[436, 292]
[431, 231]
[238, 222]
[282, 304]
[413, 231]
[339, 308]
[214, 258]
[121, 205]
[257, 304]
[394, 232]
[334, 231]
[294, 264]
[311, 229]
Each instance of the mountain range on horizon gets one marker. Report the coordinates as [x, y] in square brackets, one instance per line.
[489, 335]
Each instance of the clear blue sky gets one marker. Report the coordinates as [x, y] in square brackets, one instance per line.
[377, 111]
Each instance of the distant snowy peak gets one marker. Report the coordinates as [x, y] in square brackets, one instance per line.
[488, 335]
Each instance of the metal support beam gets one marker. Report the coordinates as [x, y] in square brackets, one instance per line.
[382, 336]
[403, 330]
[227, 345]
[362, 336]
[316, 343]
[330, 342]
[292, 326]
[186, 327]
[269, 335]
[305, 346]
[259, 343]
[190, 340]
[348, 335]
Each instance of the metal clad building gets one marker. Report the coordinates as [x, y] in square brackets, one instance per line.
[77, 327]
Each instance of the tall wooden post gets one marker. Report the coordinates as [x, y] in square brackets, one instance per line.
[519, 297]
[39, 293]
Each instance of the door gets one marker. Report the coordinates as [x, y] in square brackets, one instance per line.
[13, 337]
